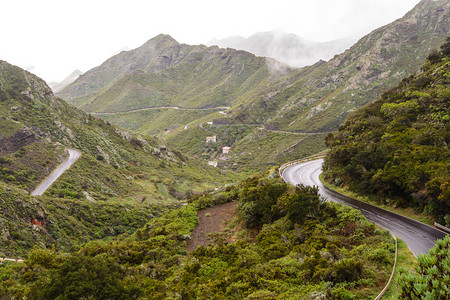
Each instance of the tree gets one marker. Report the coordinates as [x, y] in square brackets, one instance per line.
[82, 277]
[431, 279]
[304, 202]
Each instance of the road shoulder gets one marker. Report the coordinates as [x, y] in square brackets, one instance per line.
[406, 212]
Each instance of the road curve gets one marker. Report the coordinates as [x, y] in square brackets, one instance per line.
[73, 156]
[418, 236]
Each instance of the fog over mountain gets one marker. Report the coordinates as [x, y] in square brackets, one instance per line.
[286, 47]
[57, 86]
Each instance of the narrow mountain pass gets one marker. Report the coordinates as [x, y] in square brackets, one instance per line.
[73, 156]
[419, 237]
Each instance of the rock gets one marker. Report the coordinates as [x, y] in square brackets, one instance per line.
[21, 138]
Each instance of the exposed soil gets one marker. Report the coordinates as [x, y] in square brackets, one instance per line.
[211, 221]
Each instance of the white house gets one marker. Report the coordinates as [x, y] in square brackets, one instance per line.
[226, 150]
[211, 139]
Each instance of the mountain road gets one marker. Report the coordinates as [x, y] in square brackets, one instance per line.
[73, 156]
[418, 236]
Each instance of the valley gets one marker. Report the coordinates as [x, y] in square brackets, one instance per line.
[178, 171]
[256, 90]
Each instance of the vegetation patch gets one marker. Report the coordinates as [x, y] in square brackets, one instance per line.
[397, 147]
[297, 245]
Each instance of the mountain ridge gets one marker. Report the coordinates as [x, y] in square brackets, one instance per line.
[118, 183]
[315, 98]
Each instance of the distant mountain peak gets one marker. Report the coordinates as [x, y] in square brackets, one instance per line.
[57, 86]
[161, 40]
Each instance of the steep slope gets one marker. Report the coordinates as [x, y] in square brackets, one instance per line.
[163, 88]
[120, 173]
[163, 72]
[285, 47]
[397, 147]
[318, 98]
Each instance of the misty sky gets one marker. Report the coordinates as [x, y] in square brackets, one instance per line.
[51, 38]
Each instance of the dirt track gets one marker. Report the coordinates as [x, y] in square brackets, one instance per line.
[210, 220]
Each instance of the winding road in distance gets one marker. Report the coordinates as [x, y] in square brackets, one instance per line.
[73, 156]
[418, 236]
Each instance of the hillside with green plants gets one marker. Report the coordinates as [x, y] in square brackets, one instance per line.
[318, 98]
[126, 175]
[169, 89]
[163, 72]
[396, 148]
[289, 244]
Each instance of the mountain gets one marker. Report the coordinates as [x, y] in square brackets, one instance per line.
[319, 97]
[396, 148]
[163, 72]
[56, 86]
[285, 47]
[174, 90]
[119, 182]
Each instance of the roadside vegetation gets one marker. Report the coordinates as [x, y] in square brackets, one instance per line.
[430, 279]
[297, 246]
[397, 147]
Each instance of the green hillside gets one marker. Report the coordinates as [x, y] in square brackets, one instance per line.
[165, 74]
[283, 242]
[120, 180]
[319, 98]
[397, 147]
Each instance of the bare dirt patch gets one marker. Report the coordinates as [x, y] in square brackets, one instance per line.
[211, 221]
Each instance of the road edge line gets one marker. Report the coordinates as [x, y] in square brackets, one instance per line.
[372, 204]
[392, 273]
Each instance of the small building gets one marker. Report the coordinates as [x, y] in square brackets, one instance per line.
[226, 150]
[213, 163]
[209, 123]
[211, 139]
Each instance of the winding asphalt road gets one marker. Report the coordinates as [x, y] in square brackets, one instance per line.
[73, 156]
[418, 236]
[158, 107]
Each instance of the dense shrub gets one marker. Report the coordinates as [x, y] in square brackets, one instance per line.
[397, 147]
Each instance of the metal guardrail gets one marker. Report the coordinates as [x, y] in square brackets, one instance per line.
[294, 162]
[284, 166]
[441, 227]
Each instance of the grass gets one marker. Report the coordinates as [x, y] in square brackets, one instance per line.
[406, 212]
[406, 261]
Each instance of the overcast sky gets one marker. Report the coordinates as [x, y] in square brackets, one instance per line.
[52, 38]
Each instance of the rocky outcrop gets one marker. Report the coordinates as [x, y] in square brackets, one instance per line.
[21, 138]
